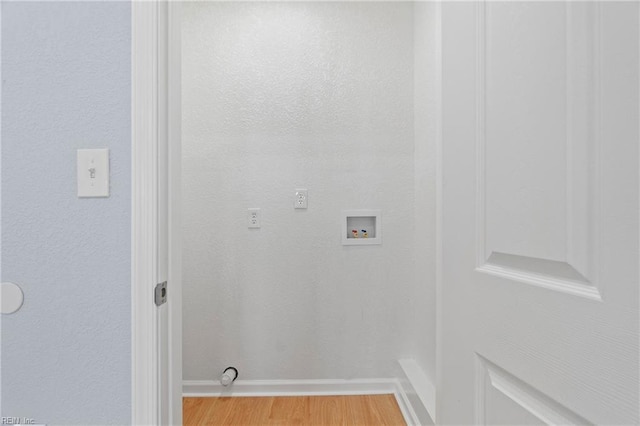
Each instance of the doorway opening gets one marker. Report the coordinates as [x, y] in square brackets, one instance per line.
[331, 99]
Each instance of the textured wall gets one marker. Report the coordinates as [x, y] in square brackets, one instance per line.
[66, 354]
[284, 95]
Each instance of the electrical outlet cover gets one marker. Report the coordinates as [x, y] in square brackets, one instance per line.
[253, 218]
[301, 199]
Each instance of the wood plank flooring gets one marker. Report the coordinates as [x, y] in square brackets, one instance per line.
[364, 410]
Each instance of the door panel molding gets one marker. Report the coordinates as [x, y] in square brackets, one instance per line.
[492, 378]
[575, 272]
[550, 274]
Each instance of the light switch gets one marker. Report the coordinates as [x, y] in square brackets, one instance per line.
[93, 173]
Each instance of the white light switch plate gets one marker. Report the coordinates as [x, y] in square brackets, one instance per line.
[93, 173]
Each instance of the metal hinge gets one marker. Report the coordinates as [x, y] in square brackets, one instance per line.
[161, 293]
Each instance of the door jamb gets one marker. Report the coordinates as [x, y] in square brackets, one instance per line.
[144, 214]
[147, 91]
[174, 131]
[439, 199]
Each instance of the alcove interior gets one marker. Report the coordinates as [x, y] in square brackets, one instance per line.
[337, 98]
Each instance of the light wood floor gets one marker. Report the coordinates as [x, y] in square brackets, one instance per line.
[365, 410]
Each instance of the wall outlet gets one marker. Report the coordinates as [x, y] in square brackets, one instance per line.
[253, 216]
[301, 199]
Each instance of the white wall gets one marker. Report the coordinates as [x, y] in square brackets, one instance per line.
[321, 96]
[425, 133]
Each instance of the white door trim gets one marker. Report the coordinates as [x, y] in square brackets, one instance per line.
[439, 198]
[174, 129]
[155, 79]
[144, 214]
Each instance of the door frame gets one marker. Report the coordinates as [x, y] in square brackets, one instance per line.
[156, 85]
[155, 91]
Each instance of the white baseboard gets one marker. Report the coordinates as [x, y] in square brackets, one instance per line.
[289, 387]
[406, 407]
[419, 390]
[240, 388]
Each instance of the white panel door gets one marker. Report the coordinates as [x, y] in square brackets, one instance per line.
[540, 300]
